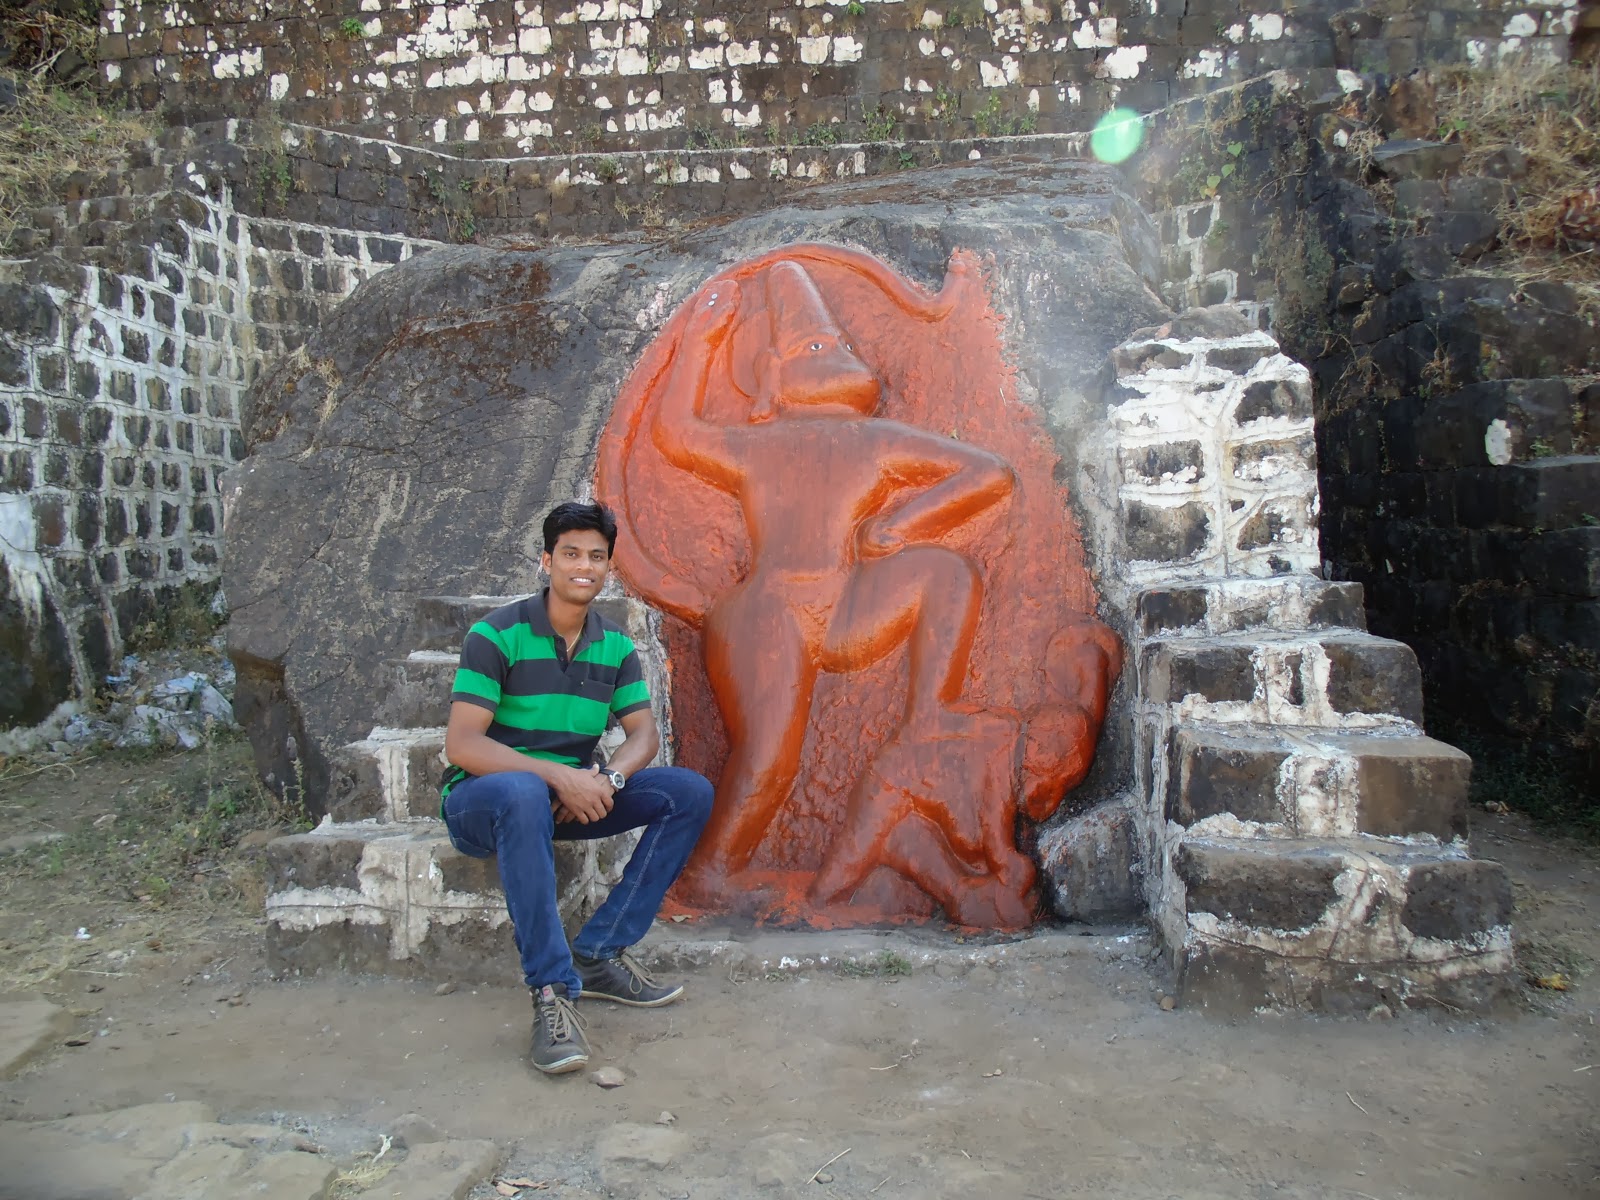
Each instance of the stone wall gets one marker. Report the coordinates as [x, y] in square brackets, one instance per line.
[519, 76]
[126, 347]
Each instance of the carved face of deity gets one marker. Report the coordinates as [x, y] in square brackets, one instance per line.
[812, 364]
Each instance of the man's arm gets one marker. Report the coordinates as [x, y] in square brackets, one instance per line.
[582, 795]
[640, 745]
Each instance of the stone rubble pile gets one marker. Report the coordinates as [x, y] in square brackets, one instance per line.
[153, 703]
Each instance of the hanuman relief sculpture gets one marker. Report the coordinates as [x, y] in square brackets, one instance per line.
[827, 483]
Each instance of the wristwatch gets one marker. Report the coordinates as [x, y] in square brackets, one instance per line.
[617, 778]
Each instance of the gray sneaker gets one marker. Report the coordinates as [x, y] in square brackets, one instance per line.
[558, 1042]
[622, 980]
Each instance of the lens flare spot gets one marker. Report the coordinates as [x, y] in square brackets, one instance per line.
[1117, 135]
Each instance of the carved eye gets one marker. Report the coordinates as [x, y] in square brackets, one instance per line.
[816, 345]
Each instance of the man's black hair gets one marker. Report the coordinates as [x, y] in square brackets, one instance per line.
[564, 518]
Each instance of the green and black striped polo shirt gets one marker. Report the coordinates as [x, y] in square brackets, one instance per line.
[514, 664]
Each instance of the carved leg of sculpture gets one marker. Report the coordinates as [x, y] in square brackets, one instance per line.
[925, 595]
[917, 849]
[761, 672]
[938, 811]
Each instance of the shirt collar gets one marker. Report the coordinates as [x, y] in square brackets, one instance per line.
[539, 620]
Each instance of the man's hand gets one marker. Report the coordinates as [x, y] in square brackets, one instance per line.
[583, 796]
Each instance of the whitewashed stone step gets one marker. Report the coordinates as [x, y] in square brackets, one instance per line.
[1214, 606]
[419, 690]
[1341, 924]
[1340, 678]
[1285, 782]
[397, 898]
[389, 775]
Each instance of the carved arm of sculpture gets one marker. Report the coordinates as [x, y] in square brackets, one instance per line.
[966, 480]
[685, 438]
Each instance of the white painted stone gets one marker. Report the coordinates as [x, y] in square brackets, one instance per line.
[814, 50]
[277, 87]
[1205, 65]
[1123, 62]
[1266, 27]
[1520, 25]
[1094, 33]
[847, 50]
[1497, 442]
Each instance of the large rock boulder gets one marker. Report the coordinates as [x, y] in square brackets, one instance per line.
[411, 450]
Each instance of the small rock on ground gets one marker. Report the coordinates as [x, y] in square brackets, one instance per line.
[413, 1129]
[608, 1077]
[442, 1170]
[627, 1154]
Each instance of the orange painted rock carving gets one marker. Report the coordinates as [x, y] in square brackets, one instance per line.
[879, 623]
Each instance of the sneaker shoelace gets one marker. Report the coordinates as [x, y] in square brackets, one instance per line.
[560, 1015]
[642, 978]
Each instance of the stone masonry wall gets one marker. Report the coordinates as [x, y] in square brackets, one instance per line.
[523, 76]
[125, 353]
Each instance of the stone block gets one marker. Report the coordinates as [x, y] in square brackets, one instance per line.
[1219, 670]
[1457, 899]
[1268, 398]
[419, 690]
[1165, 534]
[1373, 675]
[1274, 888]
[448, 1170]
[1171, 608]
[392, 774]
[1215, 770]
[1408, 785]
[1089, 865]
[314, 860]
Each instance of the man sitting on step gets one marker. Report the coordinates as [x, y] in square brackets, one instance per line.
[537, 683]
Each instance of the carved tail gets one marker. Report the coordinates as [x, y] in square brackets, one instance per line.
[649, 578]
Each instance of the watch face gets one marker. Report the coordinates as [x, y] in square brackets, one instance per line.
[617, 779]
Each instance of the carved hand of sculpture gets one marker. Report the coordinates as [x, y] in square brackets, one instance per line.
[712, 313]
[878, 538]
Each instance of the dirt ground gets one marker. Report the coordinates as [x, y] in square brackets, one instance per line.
[1060, 1077]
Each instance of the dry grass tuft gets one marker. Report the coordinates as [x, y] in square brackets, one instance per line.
[1550, 115]
[55, 131]
[161, 849]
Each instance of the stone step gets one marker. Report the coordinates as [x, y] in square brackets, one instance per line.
[397, 898]
[440, 622]
[1284, 782]
[1215, 606]
[419, 690]
[392, 774]
[1333, 677]
[1341, 924]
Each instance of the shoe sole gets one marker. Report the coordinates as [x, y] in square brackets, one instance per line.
[576, 1063]
[664, 1000]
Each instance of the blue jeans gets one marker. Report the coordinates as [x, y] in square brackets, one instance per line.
[508, 814]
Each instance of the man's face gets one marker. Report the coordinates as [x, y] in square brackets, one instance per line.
[578, 566]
